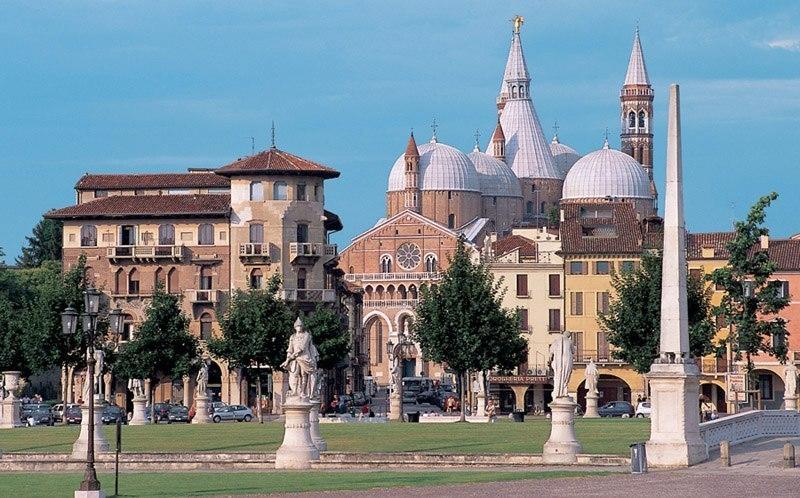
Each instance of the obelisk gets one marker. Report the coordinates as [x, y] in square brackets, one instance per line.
[674, 377]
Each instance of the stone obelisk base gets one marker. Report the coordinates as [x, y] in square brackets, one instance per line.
[297, 450]
[395, 407]
[481, 411]
[10, 410]
[591, 406]
[201, 415]
[100, 442]
[675, 419]
[313, 420]
[790, 403]
[139, 408]
[562, 447]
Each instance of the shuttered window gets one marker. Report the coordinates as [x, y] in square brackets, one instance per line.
[522, 285]
[554, 285]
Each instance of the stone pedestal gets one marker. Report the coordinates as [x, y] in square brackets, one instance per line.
[201, 415]
[481, 411]
[100, 443]
[675, 419]
[139, 408]
[10, 405]
[790, 403]
[297, 450]
[90, 494]
[313, 420]
[591, 406]
[395, 407]
[562, 447]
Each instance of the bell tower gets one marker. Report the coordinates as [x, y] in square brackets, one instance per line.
[636, 113]
[411, 192]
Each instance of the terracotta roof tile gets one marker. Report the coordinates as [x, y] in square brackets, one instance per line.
[147, 206]
[615, 231]
[526, 246]
[785, 253]
[277, 162]
[498, 135]
[695, 242]
[152, 181]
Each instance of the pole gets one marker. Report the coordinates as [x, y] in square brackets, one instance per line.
[116, 457]
[90, 482]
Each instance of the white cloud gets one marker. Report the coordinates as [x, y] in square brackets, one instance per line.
[790, 44]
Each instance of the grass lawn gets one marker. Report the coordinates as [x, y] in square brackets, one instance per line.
[606, 436]
[185, 484]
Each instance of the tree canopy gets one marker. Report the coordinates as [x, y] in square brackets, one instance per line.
[331, 337]
[752, 301]
[633, 321]
[461, 322]
[44, 244]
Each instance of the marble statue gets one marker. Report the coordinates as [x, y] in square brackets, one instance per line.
[301, 362]
[202, 379]
[396, 374]
[790, 381]
[561, 362]
[591, 378]
[136, 386]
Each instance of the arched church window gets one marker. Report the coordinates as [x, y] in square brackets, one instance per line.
[632, 120]
[642, 118]
[513, 91]
[431, 263]
[386, 264]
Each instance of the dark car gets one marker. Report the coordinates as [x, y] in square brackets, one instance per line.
[74, 415]
[431, 396]
[112, 413]
[161, 411]
[39, 416]
[178, 413]
[26, 410]
[616, 409]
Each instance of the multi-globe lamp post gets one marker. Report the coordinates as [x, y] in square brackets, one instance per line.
[90, 318]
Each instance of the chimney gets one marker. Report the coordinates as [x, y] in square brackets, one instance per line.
[765, 242]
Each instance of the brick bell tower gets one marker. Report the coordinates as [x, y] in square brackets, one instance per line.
[411, 197]
[636, 114]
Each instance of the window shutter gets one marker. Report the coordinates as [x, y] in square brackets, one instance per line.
[523, 319]
[555, 285]
[522, 285]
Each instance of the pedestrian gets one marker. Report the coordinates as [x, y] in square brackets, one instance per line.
[491, 411]
[364, 412]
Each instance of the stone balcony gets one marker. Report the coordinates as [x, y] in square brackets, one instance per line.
[204, 296]
[601, 357]
[380, 277]
[145, 253]
[310, 295]
[310, 252]
[391, 303]
[254, 253]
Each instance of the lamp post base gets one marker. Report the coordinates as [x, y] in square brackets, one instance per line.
[79, 449]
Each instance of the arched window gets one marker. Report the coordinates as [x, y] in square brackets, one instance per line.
[301, 278]
[431, 263]
[256, 191]
[256, 278]
[386, 264]
[166, 235]
[632, 120]
[542, 207]
[513, 91]
[127, 328]
[451, 220]
[412, 291]
[390, 291]
[205, 234]
[379, 292]
[401, 292]
[280, 192]
[133, 282]
[368, 292]
[642, 117]
[88, 236]
[205, 327]
[119, 282]
[172, 281]
[158, 278]
[256, 233]
[529, 207]
[302, 232]
[206, 278]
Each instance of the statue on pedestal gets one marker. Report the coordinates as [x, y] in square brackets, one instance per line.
[301, 362]
[591, 378]
[202, 379]
[561, 362]
[790, 381]
[136, 386]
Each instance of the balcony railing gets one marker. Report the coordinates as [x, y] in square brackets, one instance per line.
[254, 250]
[584, 355]
[312, 250]
[145, 253]
[204, 296]
[310, 295]
[367, 277]
[391, 303]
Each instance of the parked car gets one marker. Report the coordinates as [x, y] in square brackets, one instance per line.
[27, 409]
[431, 397]
[162, 411]
[239, 413]
[616, 409]
[178, 413]
[643, 409]
[58, 410]
[39, 416]
[112, 413]
[216, 404]
[74, 415]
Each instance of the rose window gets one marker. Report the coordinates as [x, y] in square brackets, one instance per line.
[408, 256]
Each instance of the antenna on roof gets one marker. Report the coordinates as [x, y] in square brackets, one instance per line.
[272, 136]
[252, 144]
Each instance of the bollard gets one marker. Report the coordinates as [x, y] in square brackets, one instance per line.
[725, 453]
[788, 456]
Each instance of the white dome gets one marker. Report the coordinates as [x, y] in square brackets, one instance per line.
[564, 156]
[441, 167]
[606, 173]
[496, 177]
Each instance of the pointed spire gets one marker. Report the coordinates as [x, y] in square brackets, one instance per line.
[499, 143]
[411, 148]
[516, 74]
[637, 70]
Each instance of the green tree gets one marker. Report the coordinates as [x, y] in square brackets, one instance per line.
[255, 332]
[12, 353]
[461, 322]
[752, 301]
[331, 338]
[44, 244]
[633, 321]
[162, 346]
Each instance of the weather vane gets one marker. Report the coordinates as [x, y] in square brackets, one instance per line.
[518, 22]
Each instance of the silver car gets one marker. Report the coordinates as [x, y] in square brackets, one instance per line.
[238, 413]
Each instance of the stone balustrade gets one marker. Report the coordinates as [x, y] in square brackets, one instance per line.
[750, 425]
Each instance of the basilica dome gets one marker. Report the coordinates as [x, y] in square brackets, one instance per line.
[496, 177]
[441, 167]
[607, 173]
[564, 156]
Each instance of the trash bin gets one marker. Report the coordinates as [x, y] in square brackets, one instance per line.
[413, 417]
[519, 416]
[638, 458]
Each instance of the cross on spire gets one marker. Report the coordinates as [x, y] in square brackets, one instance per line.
[555, 129]
[435, 128]
[605, 139]
[272, 135]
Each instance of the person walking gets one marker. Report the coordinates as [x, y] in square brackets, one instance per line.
[491, 411]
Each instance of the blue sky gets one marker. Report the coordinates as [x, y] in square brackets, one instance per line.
[119, 86]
